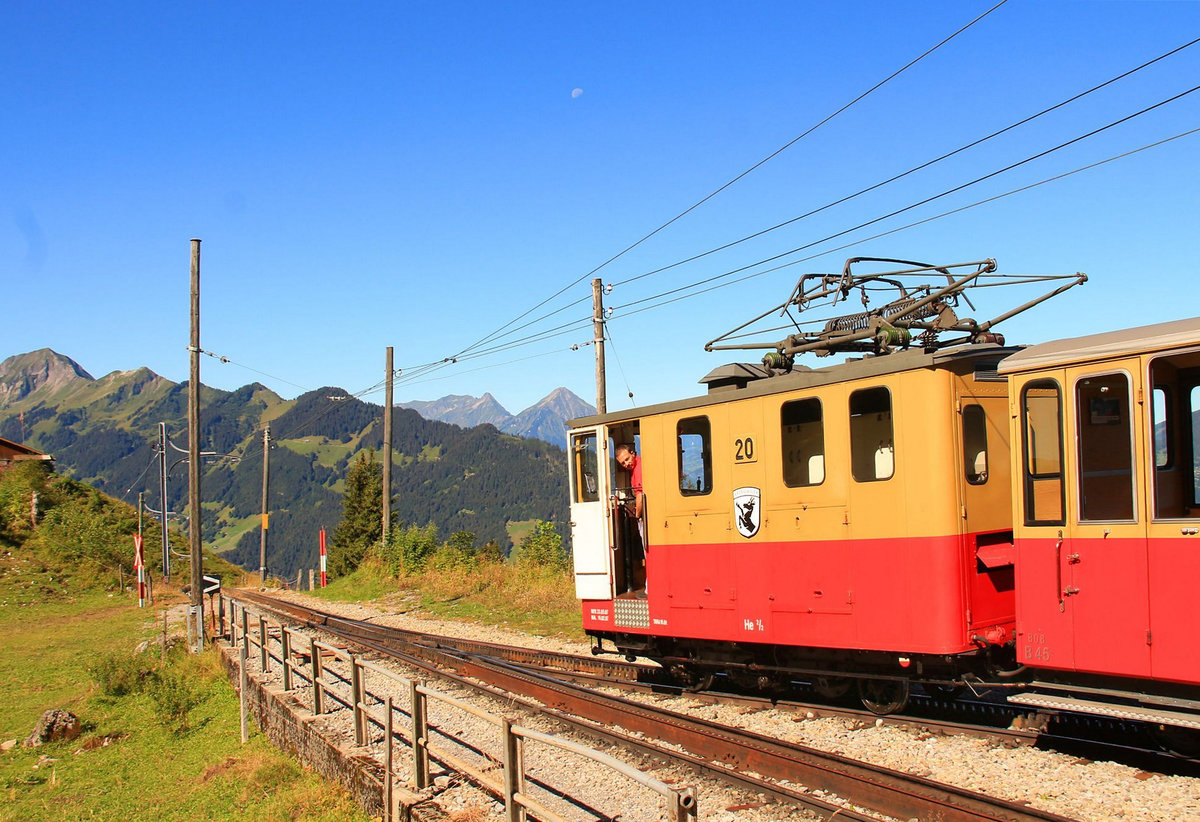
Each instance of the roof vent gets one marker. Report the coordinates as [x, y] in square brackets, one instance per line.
[733, 376]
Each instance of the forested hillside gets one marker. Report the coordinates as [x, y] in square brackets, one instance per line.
[105, 432]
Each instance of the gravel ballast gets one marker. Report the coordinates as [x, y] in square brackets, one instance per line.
[1055, 782]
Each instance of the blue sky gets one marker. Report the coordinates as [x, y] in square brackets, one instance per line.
[421, 174]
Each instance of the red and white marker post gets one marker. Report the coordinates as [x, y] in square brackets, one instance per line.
[323, 577]
[139, 562]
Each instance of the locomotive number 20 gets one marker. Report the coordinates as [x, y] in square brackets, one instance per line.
[743, 450]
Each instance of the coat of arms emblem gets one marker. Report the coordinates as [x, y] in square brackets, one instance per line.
[746, 507]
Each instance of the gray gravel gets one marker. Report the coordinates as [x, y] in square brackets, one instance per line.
[1062, 784]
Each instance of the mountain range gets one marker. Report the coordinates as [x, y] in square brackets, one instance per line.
[544, 421]
[104, 431]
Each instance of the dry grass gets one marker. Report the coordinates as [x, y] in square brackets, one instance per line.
[539, 600]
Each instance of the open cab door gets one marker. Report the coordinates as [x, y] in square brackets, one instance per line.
[590, 526]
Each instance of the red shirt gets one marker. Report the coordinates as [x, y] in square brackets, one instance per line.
[635, 474]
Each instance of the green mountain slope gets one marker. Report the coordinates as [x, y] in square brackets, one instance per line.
[105, 432]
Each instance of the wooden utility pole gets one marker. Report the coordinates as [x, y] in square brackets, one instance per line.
[387, 449]
[262, 543]
[196, 609]
[598, 341]
[162, 485]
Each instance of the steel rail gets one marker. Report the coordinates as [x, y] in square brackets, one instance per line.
[717, 749]
[547, 659]
[619, 674]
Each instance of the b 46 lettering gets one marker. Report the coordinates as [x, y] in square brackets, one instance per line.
[1038, 653]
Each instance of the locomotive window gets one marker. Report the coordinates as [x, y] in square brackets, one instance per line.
[872, 449]
[695, 456]
[1105, 448]
[583, 465]
[803, 443]
[974, 438]
[1041, 411]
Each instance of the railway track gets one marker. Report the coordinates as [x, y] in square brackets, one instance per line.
[1004, 724]
[785, 772]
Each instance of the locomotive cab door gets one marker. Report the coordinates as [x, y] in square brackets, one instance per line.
[590, 527]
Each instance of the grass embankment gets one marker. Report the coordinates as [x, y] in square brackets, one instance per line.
[536, 600]
[169, 750]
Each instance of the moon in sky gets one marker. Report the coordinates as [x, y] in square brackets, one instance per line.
[575, 92]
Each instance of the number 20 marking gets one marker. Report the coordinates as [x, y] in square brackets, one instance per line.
[743, 450]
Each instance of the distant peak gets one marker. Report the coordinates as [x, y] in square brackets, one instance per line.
[41, 370]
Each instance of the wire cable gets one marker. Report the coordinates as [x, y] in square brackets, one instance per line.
[860, 192]
[620, 367]
[255, 370]
[914, 169]
[153, 460]
[921, 222]
[731, 182]
[919, 203]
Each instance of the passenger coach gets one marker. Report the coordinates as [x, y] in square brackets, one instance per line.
[1108, 532]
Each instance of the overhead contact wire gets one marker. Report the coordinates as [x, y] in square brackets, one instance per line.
[889, 232]
[731, 182]
[920, 203]
[912, 170]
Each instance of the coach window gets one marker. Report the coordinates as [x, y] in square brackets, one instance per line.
[1041, 412]
[1105, 433]
[803, 443]
[1160, 405]
[695, 456]
[974, 440]
[872, 449]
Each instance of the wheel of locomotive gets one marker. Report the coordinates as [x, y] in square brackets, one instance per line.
[691, 679]
[759, 682]
[883, 696]
[832, 687]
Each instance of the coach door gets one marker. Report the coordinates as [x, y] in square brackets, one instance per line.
[1081, 564]
[1103, 563]
[1173, 547]
[588, 475]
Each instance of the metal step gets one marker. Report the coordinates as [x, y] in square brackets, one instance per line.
[1130, 712]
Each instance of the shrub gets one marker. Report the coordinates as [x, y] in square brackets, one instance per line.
[174, 694]
[406, 551]
[543, 548]
[120, 673]
[18, 484]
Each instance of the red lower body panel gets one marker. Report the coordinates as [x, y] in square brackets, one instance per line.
[913, 595]
[1116, 607]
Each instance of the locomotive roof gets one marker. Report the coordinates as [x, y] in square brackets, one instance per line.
[1102, 346]
[809, 378]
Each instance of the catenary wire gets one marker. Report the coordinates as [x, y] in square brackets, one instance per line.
[917, 204]
[740, 176]
[862, 191]
[914, 169]
[921, 222]
[224, 359]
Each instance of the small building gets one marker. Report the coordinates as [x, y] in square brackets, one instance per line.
[11, 452]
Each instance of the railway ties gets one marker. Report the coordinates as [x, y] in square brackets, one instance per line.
[784, 772]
